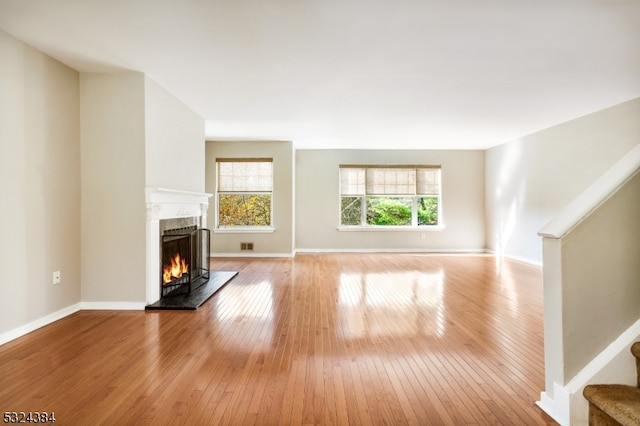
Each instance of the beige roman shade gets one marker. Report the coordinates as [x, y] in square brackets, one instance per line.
[389, 180]
[245, 174]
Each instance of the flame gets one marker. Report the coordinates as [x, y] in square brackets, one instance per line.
[174, 271]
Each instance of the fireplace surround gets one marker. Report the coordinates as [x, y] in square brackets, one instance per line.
[165, 208]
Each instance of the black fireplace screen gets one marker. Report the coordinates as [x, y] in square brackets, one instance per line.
[185, 260]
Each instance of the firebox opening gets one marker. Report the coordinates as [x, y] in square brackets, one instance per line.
[185, 260]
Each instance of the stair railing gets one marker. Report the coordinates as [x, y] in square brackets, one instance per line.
[591, 274]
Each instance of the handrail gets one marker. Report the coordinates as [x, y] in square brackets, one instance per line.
[594, 196]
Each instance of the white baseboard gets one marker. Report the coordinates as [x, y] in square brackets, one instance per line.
[389, 250]
[558, 406]
[58, 315]
[251, 254]
[517, 258]
[112, 306]
[40, 322]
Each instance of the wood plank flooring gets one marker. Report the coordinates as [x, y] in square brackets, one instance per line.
[362, 339]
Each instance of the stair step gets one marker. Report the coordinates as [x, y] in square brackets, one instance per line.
[635, 349]
[620, 402]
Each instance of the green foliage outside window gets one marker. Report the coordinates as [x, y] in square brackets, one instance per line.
[428, 211]
[244, 210]
[388, 211]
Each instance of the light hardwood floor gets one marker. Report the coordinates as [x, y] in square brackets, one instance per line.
[366, 339]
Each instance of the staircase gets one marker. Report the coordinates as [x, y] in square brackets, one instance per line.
[615, 404]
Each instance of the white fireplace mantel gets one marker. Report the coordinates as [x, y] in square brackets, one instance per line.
[163, 203]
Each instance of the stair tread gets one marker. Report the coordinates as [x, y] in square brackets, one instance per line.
[620, 402]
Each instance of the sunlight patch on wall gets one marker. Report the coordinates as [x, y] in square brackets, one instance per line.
[510, 161]
[507, 227]
[509, 192]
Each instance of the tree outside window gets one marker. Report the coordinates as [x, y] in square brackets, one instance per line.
[389, 196]
[244, 192]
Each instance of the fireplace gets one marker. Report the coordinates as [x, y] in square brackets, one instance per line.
[185, 260]
[171, 210]
[176, 229]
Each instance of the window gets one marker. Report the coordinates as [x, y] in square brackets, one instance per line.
[389, 195]
[244, 192]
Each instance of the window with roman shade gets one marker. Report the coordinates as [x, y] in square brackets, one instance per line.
[244, 192]
[385, 195]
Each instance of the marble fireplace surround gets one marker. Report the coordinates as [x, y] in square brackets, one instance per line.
[163, 204]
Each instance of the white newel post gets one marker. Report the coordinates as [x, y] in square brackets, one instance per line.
[163, 204]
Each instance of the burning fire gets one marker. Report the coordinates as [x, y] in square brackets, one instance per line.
[174, 271]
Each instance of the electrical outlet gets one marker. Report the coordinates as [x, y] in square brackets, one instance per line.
[56, 277]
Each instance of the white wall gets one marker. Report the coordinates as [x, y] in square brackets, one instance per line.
[174, 142]
[317, 201]
[531, 179]
[601, 277]
[278, 243]
[134, 134]
[39, 184]
[113, 183]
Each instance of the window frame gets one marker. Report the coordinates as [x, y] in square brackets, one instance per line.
[365, 197]
[218, 193]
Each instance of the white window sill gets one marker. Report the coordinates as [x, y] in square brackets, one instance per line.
[247, 230]
[424, 228]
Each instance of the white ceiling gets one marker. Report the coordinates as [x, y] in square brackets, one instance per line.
[356, 73]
